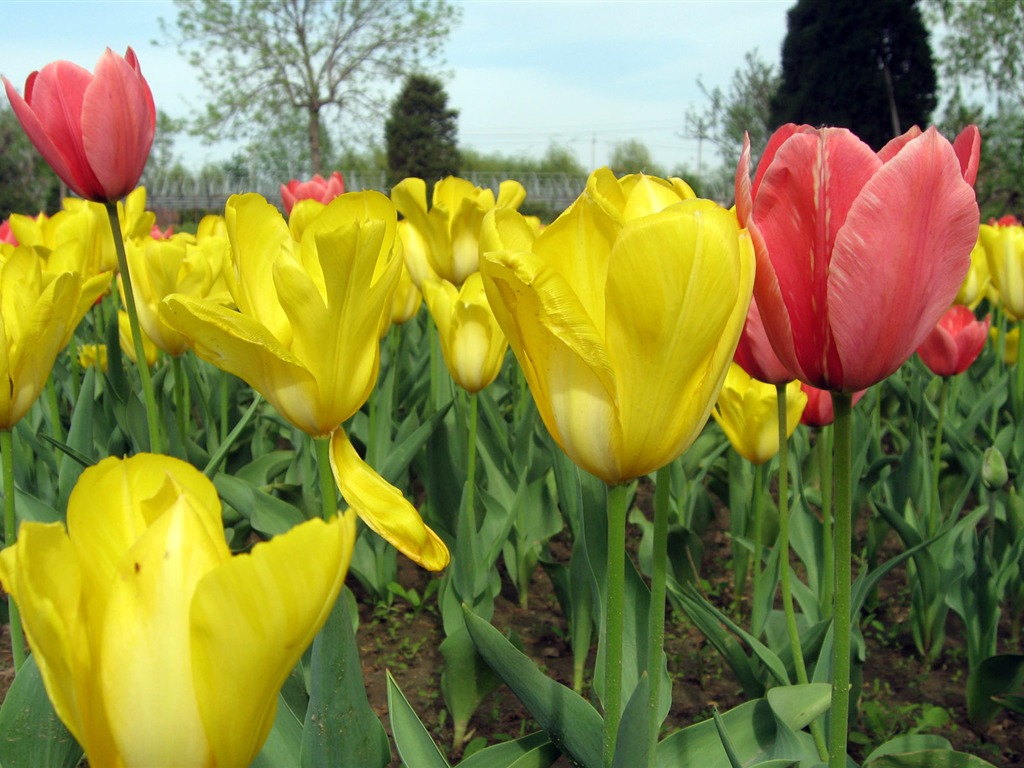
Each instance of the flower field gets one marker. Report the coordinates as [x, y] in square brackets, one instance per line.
[368, 480]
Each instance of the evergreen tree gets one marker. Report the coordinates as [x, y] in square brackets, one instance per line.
[420, 135]
[866, 66]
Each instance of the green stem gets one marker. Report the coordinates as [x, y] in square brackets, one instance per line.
[471, 461]
[935, 512]
[328, 490]
[223, 406]
[614, 618]
[10, 536]
[840, 710]
[828, 565]
[659, 568]
[1019, 399]
[784, 576]
[181, 398]
[56, 425]
[152, 416]
[758, 611]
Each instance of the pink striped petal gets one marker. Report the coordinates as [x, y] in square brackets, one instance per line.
[899, 260]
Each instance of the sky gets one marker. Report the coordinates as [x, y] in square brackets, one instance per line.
[524, 74]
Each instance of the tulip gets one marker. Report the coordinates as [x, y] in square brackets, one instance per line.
[93, 356]
[127, 342]
[1004, 247]
[747, 411]
[858, 253]
[6, 234]
[472, 343]
[318, 188]
[306, 331]
[448, 236]
[955, 342]
[1010, 344]
[978, 282]
[407, 300]
[37, 319]
[94, 130]
[155, 644]
[624, 315]
[754, 353]
[818, 411]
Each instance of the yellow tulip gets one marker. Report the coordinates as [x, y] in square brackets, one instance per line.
[1004, 246]
[624, 315]
[406, 302]
[156, 646]
[748, 412]
[180, 264]
[93, 356]
[127, 343]
[306, 331]
[449, 234]
[37, 319]
[1011, 343]
[978, 281]
[472, 342]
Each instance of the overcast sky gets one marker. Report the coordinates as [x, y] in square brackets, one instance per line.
[585, 75]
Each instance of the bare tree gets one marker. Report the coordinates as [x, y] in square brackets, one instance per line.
[261, 59]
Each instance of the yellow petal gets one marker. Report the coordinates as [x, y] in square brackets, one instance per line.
[42, 573]
[147, 677]
[383, 507]
[252, 619]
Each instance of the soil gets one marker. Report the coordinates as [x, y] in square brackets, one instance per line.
[907, 693]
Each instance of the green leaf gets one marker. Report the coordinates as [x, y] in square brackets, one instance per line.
[401, 454]
[995, 676]
[415, 747]
[572, 724]
[267, 514]
[902, 744]
[341, 729]
[532, 751]
[281, 749]
[631, 742]
[931, 758]
[466, 680]
[30, 731]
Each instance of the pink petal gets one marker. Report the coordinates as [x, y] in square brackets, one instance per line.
[967, 146]
[899, 259]
[892, 148]
[801, 205]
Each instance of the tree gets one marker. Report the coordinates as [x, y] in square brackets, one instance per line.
[259, 59]
[864, 66]
[421, 135]
[27, 185]
[745, 109]
[633, 156]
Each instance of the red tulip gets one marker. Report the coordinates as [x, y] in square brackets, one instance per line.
[318, 188]
[955, 342]
[755, 355]
[6, 235]
[95, 130]
[818, 411]
[858, 253]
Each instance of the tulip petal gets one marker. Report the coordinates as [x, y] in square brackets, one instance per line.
[241, 346]
[42, 574]
[914, 224]
[146, 646]
[803, 201]
[686, 269]
[383, 507]
[118, 124]
[252, 618]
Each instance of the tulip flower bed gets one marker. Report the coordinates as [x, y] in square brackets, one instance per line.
[249, 470]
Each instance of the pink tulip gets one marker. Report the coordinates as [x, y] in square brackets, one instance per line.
[818, 412]
[6, 234]
[858, 253]
[755, 355]
[95, 130]
[955, 342]
[318, 188]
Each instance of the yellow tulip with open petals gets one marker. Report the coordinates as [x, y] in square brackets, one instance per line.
[624, 315]
[1004, 246]
[38, 315]
[306, 333]
[447, 239]
[156, 646]
[472, 342]
[747, 410]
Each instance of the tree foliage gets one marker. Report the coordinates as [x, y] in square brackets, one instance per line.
[260, 59]
[744, 109]
[421, 133]
[864, 66]
[27, 185]
[633, 156]
[982, 42]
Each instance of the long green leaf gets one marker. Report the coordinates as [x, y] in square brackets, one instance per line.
[31, 733]
[532, 751]
[415, 747]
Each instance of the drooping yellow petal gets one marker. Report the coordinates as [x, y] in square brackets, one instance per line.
[383, 507]
[251, 621]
